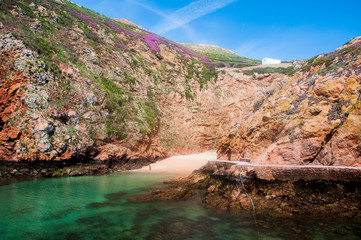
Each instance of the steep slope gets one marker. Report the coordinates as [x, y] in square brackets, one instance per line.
[221, 56]
[78, 87]
[303, 137]
[76, 84]
[309, 118]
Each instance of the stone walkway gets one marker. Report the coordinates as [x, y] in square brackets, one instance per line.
[296, 172]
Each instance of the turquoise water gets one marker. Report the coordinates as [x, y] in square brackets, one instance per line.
[98, 207]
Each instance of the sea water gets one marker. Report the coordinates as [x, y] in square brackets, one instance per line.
[98, 207]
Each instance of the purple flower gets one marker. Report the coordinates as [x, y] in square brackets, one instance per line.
[121, 46]
[152, 41]
[118, 29]
[87, 20]
[357, 44]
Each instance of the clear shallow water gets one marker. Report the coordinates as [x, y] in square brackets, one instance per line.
[97, 207]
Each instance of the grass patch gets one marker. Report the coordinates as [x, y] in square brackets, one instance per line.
[269, 70]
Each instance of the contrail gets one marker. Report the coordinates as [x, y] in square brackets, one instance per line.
[189, 13]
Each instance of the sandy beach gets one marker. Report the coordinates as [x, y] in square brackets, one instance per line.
[182, 164]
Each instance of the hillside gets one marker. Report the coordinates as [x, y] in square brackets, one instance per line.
[78, 87]
[302, 137]
[80, 81]
[311, 117]
[221, 55]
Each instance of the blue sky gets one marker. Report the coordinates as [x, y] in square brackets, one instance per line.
[284, 30]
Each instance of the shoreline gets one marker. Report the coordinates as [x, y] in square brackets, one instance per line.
[180, 164]
[11, 172]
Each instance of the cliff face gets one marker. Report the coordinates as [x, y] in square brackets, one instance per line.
[311, 117]
[79, 86]
[75, 84]
[224, 102]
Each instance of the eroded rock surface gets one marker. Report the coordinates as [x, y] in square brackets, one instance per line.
[287, 196]
[308, 118]
[78, 88]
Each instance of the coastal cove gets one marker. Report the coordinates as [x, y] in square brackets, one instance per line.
[97, 114]
[100, 207]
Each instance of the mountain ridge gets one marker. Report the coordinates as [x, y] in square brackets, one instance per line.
[221, 55]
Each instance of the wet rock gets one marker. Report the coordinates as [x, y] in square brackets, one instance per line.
[115, 196]
[279, 197]
[169, 193]
[75, 173]
[101, 205]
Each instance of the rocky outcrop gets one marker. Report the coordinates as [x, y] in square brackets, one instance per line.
[308, 118]
[165, 194]
[11, 92]
[76, 84]
[227, 101]
[280, 197]
[272, 191]
[79, 87]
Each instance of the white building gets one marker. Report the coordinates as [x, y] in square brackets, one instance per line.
[267, 61]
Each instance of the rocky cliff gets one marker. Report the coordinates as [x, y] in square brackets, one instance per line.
[311, 117]
[77, 86]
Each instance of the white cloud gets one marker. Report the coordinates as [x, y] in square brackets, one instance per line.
[189, 13]
[148, 8]
[188, 31]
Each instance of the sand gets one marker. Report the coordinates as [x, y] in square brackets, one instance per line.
[182, 164]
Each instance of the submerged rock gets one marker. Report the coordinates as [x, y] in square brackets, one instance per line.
[163, 194]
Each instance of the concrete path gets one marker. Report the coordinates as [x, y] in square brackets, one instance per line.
[246, 164]
[297, 172]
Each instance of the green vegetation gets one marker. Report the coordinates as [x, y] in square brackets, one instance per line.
[218, 54]
[337, 59]
[149, 112]
[264, 70]
[66, 36]
[116, 99]
[233, 61]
